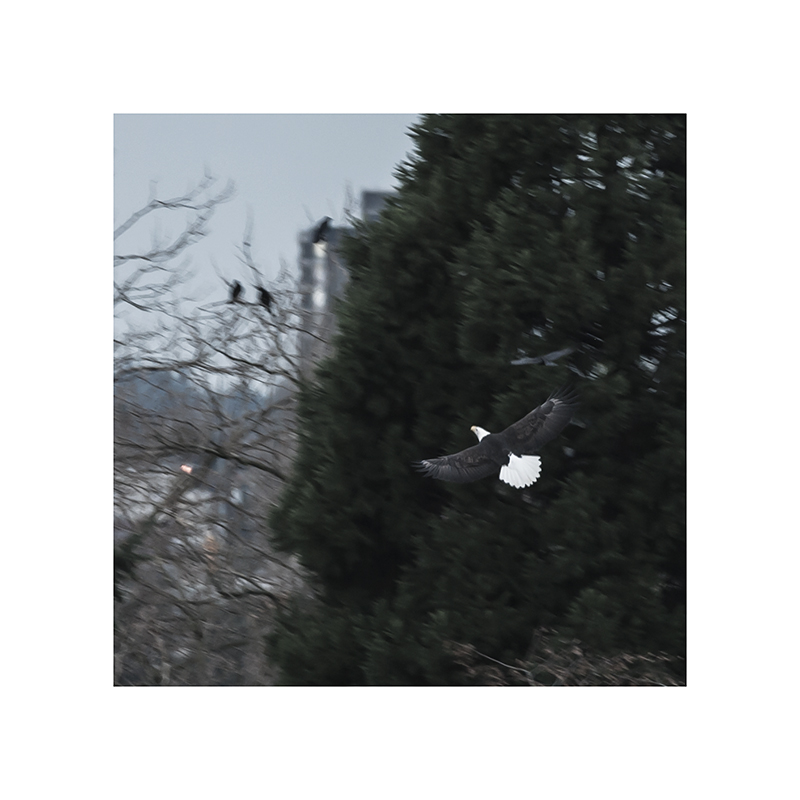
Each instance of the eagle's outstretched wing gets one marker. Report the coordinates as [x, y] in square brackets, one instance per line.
[469, 465]
[542, 424]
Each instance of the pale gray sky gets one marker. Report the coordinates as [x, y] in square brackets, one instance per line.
[285, 166]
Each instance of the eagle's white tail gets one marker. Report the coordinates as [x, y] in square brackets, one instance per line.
[521, 471]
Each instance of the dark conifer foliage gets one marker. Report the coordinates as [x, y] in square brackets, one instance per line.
[508, 235]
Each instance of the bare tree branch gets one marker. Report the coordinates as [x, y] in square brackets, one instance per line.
[204, 438]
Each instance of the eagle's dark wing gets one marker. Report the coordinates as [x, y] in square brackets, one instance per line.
[469, 465]
[543, 423]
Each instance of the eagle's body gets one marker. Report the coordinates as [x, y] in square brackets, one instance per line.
[511, 451]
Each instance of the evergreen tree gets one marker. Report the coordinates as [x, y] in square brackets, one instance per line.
[509, 235]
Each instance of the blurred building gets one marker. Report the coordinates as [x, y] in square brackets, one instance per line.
[323, 278]
[372, 204]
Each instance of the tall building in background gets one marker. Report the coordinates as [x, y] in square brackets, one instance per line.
[323, 277]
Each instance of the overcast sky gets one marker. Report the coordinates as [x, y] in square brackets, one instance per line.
[289, 169]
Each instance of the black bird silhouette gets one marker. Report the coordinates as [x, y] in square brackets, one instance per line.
[321, 231]
[265, 297]
[236, 290]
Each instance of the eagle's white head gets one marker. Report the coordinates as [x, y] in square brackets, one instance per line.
[479, 432]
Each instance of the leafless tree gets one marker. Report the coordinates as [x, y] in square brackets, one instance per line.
[553, 660]
[203, 438]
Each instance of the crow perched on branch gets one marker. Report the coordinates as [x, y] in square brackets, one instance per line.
[321, 231]
[236, 291]
[264, 297]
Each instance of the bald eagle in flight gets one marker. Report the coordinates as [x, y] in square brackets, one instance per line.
[511, 451]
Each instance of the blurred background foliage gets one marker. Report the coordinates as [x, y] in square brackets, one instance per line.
[511, 237]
